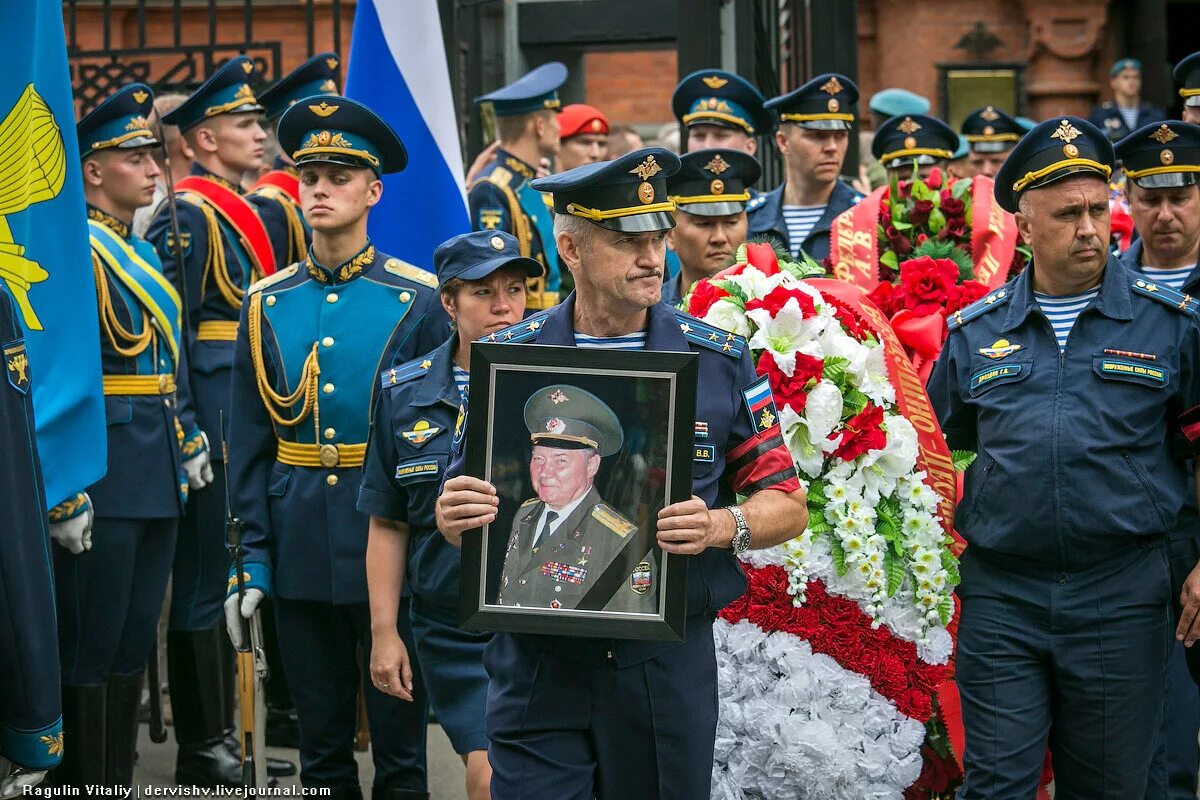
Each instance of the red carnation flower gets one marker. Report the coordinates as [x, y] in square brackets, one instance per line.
[777, 298]
[861, 433]
[703, 296]
[791, 391]
[925, 283]
[964, 294]
[919, 215]
[850, 321]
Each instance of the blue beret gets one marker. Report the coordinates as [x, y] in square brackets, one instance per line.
[824, 103]
[717, 97]
[120, 121]
[990, 130]
[713, 182]
[626, 194]
[1053, 150]
[1161, 155]
[339, 130]
[534, 91]
[316, 76]
[898, 102]
[227, 91]
[913, 136]
[1123, 63]
[475, 255]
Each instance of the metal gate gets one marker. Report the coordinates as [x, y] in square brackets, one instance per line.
[173, 45]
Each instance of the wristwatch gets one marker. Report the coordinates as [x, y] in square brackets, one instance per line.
[741, 537]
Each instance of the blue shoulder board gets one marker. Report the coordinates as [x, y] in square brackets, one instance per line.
[405, 372]
[705, 335]
[756, 202]
[527, 330]
[1164, 294]
[978, 308]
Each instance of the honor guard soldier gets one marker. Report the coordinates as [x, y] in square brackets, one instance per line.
[311, 343]
[416, 433]
[31, 725]
[110, 594]
[1068, 382]
[814, 132]
[276, 195]
[1126, 112]
[719, 109]
[575, 717]
[1162, 168]
[917, 139]
[501, 198]
[1187, 74]
[991, 135]
[710, 192]
[222, 249]
[583, 136]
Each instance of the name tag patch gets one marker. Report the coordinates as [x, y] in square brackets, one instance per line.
[705, 452]
[414, 469]
[1134, 369]
[992, 374]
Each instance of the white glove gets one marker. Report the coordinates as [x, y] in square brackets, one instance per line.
[233, 622]
[14, 785]
[199, 467]
[75, 534]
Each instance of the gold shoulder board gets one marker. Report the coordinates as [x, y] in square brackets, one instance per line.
[612, 520]
[271, 280]
[406, 270]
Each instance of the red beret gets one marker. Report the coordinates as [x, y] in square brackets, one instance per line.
[580, 118]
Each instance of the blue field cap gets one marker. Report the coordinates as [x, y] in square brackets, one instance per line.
[476, 255]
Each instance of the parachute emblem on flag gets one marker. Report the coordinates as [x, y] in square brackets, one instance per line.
[32, 168]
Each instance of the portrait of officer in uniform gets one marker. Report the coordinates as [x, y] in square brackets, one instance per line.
[567, 545]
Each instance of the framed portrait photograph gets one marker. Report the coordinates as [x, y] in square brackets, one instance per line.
[584, 447]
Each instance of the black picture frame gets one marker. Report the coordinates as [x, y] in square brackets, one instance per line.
[653, 394]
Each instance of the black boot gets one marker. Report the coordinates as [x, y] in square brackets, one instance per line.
[84, 723]
[124, 697]
[196, 675]
[283, 724]
[276, 767]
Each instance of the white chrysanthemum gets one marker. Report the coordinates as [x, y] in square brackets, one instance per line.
[728, 316]
[823, 411]
[899, 455]
[873, 381]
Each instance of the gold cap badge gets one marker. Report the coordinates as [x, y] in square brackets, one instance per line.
[1164, 134]
[717, 165]
[139, 96]
[714, 81]
[497, 243]
[332, 63]
[1070, 151]
[329, 86]
[910, 142]
[989, 114]
[831, 86]
[323, 109]
[247, 67]
[988, 130]
[596, 125]
[645, 193]
[717, 186]
[909, 125]
[646, 170]
[1066, 132]
[1166, 157]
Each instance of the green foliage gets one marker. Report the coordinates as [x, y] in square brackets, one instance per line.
[854, 401]
[835, 370]
[736, 295]
[962, 459]
[950, 564]
[816, 495]
[940, 248]
[890, 259]
[893, 567]
[946, 609]
[839, 555]
[817, 522]
[960, 189]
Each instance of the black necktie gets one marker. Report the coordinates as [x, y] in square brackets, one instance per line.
[547, 519]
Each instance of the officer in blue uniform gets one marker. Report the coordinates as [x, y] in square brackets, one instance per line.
[31, 727]
[914, 138]
[1067, 382]
[1126, 112]
[110, 595]
[1187, 75]
[274, 196]
[220, 122]
[815, 121]
[1162, 168]
[311, 342]
[415, 435]
[710, 192]
[577, 718]
[991, 133]
[501, 198]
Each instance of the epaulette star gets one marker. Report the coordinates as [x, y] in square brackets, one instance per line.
[978, 308]
[394, 376]
[1180, 301]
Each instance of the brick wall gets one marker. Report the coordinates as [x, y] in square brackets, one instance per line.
[632, 87]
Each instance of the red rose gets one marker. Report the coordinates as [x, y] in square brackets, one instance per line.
[919, 215]
[934, 181]
[964, 294]
[791, 391]
[885, 210]
[952, 208]
[886, 298]
[703, 296]
[925, 283]
[762, 256]
[955, 229]
[777, 298]
[921, 239]
[861, 433]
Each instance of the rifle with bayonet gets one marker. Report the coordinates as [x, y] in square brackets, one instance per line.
[251, 658]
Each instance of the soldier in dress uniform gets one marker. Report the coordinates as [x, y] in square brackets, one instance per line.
[224, 248]
[276, 195]
[575, 717]
[991, 133]
[1069, 382]
[501, 198]
[110, 594]
[1126, 112]
[719, 109]
[311, 342]
[583, 136]
[1162, 169]
[710, 193]
[814, 132]
[481, 277]
[1187, 75]
[914, 138]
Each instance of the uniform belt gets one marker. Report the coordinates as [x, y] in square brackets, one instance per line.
[321, 455]
[217, 330]
[541, 300]
[139, 384]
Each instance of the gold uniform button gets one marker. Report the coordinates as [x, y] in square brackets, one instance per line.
[331, 297]
[271, 300]
[328, 456]
[331, 480]
[405, 297]
[327, 341]
[330, 433]
[328, 388]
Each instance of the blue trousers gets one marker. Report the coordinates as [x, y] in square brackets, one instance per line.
[320, 644]
[1074, 659]
[201, 559]
[109, 598]
[571, 730]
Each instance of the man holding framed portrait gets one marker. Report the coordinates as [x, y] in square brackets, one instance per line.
[575, 714]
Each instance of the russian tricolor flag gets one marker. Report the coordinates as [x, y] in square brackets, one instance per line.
[398, 68]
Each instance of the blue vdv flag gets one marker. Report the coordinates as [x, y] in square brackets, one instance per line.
[45, 260]
[398, 68]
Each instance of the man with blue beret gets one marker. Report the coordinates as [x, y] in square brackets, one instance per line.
[500, 198]
[1069, 382]
[1187, 75]
[276, 194]
[1126, 112]
[914, 139]
[577, 717]
[719, 109]
[311, 341]
[815, 121]
[895, 102]
[710, 191]
[991, 134]
[1161, 163]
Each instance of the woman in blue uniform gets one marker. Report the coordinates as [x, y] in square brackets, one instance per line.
[414, 437]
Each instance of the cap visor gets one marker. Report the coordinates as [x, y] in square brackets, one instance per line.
[1066, 172]
[640, 223]
[714, 209]
[480, 271]
[1193, 101]
[140, 141]
[1168, 180]
[333, 158]
[991, 147]
[823, 124]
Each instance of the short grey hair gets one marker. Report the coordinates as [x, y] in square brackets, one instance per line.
[580, 229]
